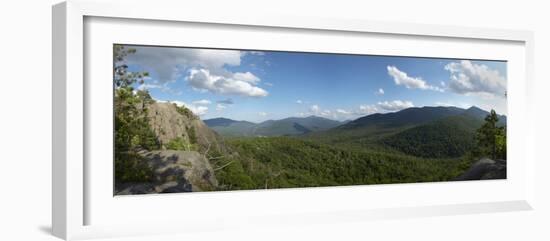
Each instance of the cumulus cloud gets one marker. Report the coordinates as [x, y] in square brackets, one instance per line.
[395, 105]
[367, 110]
[204, 69]
[246, 77]
[314, 108]
[262, 114]
[166, 62]
[202, 102]
[299, 102]
[470, 78]
[204, 80]
[402, 78]
[380, 91]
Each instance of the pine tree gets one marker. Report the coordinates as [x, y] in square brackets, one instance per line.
[491, 138]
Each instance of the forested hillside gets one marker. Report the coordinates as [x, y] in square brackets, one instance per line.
[164, 147]
[281, 162]
[292, 126]
[448, 137]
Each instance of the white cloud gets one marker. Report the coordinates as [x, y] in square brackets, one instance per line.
[146, 86]
[204, 80]
[202, 102]
[402, 78]
[246, 77]
[447, 104]
[315, 109]
[155, 85]
[166, 62]
[470, 78]
[220, 107]
[342, 111]
[262, 114]
[380, 91]
[260, 53]
[395, 105]
[367, 110]
[299, 102]
[325, 113]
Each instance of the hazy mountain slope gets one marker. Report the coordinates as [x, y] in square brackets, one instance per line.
[284, 127]
[294, 126]
[314, 123]
[228, 127]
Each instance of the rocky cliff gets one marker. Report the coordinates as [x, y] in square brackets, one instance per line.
[185, 169]
[169, 122]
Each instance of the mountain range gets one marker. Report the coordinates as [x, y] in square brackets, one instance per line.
[378, 123]
[431, 132]
[291, 126]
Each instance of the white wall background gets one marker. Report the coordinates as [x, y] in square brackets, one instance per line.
[25, 120]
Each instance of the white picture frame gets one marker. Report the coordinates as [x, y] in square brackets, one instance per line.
[73, 191]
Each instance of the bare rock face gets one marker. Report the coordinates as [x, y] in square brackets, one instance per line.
[168, 124]
[485, 169]
[178, 170]
[174, 172]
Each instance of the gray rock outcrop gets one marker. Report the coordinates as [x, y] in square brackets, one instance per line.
[174, 171]
[168, 122]
[485, 169]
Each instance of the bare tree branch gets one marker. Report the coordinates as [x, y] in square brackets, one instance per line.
[221, 167]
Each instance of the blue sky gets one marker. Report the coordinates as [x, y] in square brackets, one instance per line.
[261, 85]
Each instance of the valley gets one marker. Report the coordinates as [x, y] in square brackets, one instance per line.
[301, 119]
[426, 144]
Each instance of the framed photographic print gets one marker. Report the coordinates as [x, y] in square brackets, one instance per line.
[313, 120]
[198, 119]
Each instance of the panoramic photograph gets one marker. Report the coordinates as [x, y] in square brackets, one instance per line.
[198, 119]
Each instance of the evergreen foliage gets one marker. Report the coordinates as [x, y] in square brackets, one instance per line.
[491, 138]
[132, 130]
[283, 162]
[449, 137]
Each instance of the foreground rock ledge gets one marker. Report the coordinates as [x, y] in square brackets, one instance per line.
[174, 171]
[485, 169]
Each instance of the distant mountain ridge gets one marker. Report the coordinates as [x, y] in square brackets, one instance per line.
[283, 127]
[370, 127]
[420, 131]
[409, 116]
